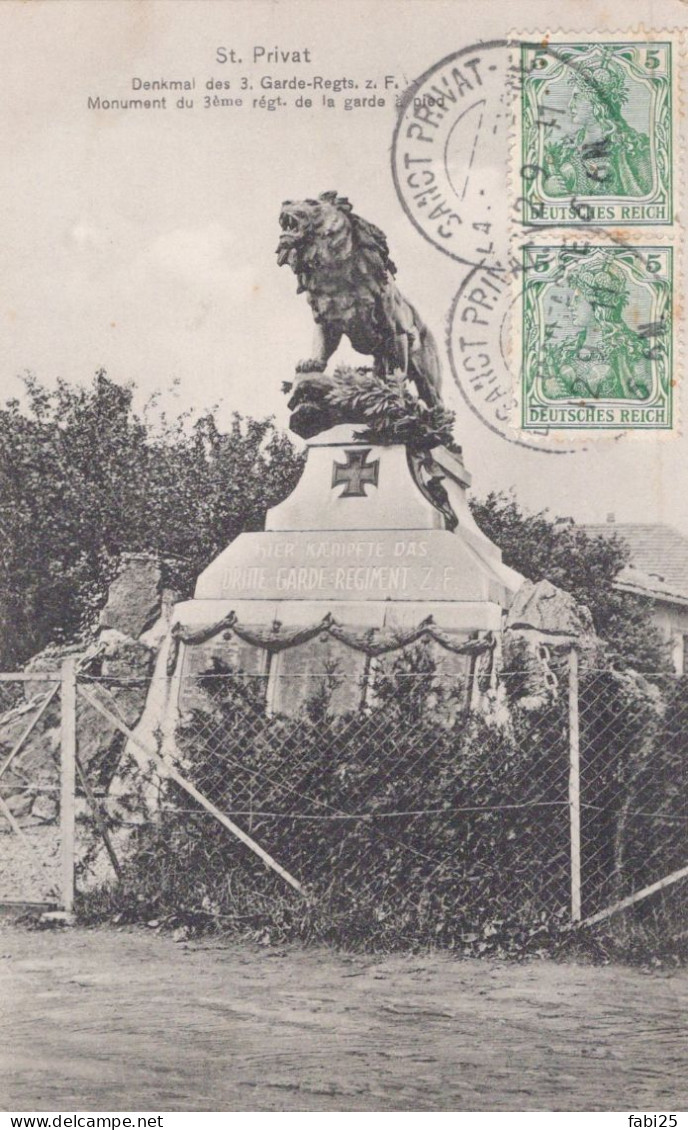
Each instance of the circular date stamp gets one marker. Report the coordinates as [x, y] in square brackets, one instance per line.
[581, 346]
[448, 153]
[561, 330]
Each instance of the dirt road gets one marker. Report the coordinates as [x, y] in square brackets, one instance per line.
[130, 1020]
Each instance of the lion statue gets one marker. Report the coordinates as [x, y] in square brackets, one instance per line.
[343, 264]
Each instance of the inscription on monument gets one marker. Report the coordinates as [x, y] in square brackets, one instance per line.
[382, 579]
[341, 567]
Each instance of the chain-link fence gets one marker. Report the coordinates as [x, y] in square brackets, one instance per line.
[407, 806]
[411, 808]
[633, 784]
[30, 790]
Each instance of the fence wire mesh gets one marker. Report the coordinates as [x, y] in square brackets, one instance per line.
[413, 804]
[30, 831]
[404, 806]
[633, 783]
[11, 694]
[412, 809]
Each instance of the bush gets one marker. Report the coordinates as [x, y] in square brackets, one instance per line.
[410, 824]
[556, 549]
[415, 823]
[84, 478]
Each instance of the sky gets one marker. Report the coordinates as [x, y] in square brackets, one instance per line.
[143, 242]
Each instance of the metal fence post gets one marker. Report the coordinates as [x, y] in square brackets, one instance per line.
[67, 781]
[574, 787]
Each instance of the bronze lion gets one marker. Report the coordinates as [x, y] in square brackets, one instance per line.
[342, 262]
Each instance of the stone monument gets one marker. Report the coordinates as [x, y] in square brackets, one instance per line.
[376, 547]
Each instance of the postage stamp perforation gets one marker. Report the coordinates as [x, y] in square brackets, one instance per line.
[595, 338]
[641, 333]
[568, 33]
[468, 106]
[632, 341]
[596, 129]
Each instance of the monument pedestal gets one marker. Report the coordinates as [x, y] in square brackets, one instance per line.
[373, 549]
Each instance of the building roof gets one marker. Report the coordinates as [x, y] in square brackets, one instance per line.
[658, 563]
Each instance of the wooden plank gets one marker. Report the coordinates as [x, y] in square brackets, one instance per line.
[574, 787]
[641, 894]
[39, 713]
[98, 816]
[30, 677]
[28, 904]
[16, 828]
[67, 781]
[169, 771]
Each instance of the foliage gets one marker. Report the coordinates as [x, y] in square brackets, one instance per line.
[83, 478]
[653, 819]
[403, 823]
[415, 825]
[540, 547]
[390, 411]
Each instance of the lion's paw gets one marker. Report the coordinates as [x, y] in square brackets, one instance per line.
[311, 366]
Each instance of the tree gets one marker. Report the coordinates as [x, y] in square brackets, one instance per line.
[540, 546]
[83, 478]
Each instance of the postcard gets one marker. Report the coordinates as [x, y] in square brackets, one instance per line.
[331, 331]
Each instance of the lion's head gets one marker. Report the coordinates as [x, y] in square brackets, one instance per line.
[325, 232]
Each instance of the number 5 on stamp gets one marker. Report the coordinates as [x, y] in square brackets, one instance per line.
[596, 337]
[596, 134]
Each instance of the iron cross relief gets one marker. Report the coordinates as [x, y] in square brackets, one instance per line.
[355, 474]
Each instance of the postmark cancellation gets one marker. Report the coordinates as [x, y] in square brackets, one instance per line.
[596, 337]
[596, 125]
[595, 233]
[550, 164]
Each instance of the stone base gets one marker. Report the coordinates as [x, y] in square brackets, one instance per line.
[370, 546]
[292, 648]
[362, 525]
[353, 565]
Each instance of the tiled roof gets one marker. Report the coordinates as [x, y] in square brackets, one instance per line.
[634, 580]
[659, 553]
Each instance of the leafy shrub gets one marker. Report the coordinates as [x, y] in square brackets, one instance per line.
[407, 824]
[84, 478]
[413, 823]
[556, 549]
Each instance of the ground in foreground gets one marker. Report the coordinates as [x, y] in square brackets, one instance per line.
[131, 1020]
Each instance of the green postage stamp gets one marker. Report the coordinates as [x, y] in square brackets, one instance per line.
[596, 133]
[596, 159]
[596, 337]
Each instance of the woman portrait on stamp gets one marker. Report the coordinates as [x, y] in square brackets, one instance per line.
[602, 155]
